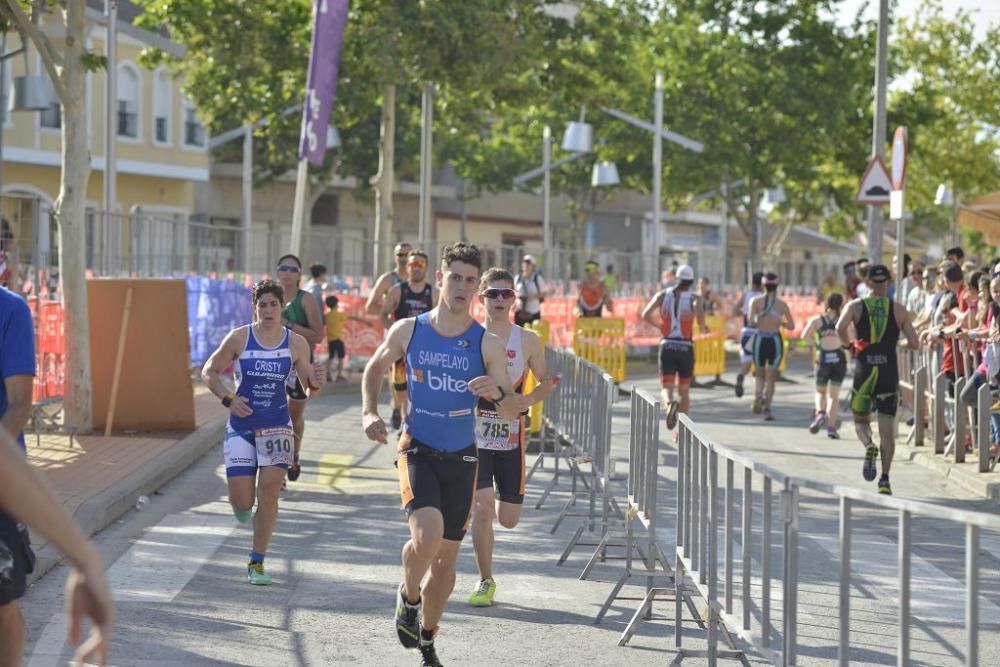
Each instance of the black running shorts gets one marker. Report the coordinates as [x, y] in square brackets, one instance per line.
[676, 359]
[17, 560]
[876, 385]
[768, 349]
[336, 349]
[506, 468]
[430, 477]
[832, 368]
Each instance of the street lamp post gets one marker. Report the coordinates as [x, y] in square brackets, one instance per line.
[875, 213]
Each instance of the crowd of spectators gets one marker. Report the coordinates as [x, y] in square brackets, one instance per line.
[955, 306]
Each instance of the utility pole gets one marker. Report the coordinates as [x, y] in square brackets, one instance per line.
[875, 217]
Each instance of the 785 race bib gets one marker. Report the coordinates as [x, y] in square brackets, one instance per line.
[493, 432]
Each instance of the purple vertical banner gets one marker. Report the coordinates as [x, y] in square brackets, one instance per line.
[329, 19]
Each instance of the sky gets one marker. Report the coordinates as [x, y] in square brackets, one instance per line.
[987, 11]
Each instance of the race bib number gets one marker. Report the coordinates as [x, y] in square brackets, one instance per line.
[831, 357]
[495, 433]
[274, 445]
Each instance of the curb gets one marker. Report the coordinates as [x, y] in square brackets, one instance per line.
[986, 485]
[99, 511]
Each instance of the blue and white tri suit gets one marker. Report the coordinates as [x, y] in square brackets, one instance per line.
[265, 437]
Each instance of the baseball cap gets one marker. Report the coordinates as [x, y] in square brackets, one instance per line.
[528, 258]
[879, 273]
[770, 278]
[685, 272]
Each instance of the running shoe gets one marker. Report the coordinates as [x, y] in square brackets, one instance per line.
[407, 621]
[429, 655]
[243, 517]
[817, 423]
[871, 455]
[257, 576]
[739, 386]
[758, 403]
[768, 417]
[831, 432]
[397, 418]
[483, 594]
[672, 415]
[883, 486]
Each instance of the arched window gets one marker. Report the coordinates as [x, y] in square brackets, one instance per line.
[162, 103]
[194, 133]
[129, 97]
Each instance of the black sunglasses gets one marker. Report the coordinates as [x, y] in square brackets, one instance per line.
[289, 267]
[498, 293]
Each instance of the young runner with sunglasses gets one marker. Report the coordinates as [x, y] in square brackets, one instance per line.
[407, 299]
[300, 315]
[500, 441]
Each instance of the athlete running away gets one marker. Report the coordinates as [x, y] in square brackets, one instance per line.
[452, 362]
[678, 308]
[768, 314]
[746, 336]
[831, 364]
[258, 445]
[500, 441]
[373, 306]
[877, 324]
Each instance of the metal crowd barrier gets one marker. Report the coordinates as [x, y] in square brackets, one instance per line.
[710, 570]
[644, 444]
[601, 340]
[577, 426]
[949, 418]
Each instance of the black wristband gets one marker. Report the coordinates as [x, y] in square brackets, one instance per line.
[227, 400]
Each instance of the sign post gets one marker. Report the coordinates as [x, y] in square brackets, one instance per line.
[329, 19]
[896, 206]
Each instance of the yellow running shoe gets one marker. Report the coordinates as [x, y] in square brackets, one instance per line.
[482, 596]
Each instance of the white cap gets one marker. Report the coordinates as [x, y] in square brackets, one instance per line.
[685, 272]
[528, 258]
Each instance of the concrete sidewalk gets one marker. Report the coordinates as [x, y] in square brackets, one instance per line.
[98, 479]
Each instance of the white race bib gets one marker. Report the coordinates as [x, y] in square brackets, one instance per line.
[495, 433]
[274, 445]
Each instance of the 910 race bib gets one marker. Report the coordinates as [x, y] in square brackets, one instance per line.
[274, 445]
[495, 433]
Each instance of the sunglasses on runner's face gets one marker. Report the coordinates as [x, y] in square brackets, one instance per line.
[498, 293]
[417, 263]
[289, 267]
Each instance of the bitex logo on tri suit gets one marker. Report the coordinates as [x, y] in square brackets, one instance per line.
[439, 381]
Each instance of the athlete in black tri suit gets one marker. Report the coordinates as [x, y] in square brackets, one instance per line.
[768, 314]
[407, 299]
[376, 300]
[452, 362]
[877, 324]
[300, 315]
[831, 364]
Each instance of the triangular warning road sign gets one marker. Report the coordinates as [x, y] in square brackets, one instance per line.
[875, 185]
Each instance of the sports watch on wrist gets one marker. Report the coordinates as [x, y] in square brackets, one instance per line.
[227, 400]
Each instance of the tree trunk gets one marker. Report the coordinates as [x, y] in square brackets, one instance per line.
[754, 225]
[384, 179]
[69, 211]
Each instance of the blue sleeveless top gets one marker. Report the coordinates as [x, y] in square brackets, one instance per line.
[261, 373]
[441, 411]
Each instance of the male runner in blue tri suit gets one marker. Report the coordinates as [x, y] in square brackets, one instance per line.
[452, 362]
[259, 437]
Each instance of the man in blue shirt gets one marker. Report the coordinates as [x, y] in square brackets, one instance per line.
[17, 369]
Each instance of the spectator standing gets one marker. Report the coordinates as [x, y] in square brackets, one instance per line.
[594, 296]
[920, 294]
[851, 279]
[335, 338]
[8, 262]
[863, 289]
[17, 363]
[610, 279]
[531, 292]
[956, 255]
[316, 283]
[710, 301]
